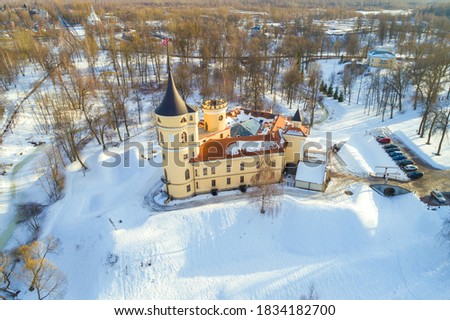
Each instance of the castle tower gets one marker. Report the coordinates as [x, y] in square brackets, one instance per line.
[297, 119]
[214, 115]
[177, 129]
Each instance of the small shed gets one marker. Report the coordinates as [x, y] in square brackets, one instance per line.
[312, 176]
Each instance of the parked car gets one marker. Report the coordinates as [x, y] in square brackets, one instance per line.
[405, 162]
[410, 167]
[395, 153]
[400, 157]
[392, 149]
[438, 196]
[389, 146]
[383, 140]
[414, 175]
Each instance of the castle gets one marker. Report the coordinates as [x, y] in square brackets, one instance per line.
[224, 150]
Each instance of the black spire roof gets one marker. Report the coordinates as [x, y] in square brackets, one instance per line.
[297, 116]
[172, 103]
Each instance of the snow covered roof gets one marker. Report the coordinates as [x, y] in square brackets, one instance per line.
[311, 172]
[239, 147]
[294, 131]
[381, 54]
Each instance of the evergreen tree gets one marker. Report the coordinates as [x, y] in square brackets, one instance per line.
[330, 91]
[323, 87]
[341, 97]
[335, 95]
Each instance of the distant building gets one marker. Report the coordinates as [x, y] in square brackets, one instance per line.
[93, 19]
[381, 59]
[223, 150]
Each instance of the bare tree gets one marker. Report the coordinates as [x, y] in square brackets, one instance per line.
[39, 273]
[312, 293]
[291, 82]
[313, 88]
[399, 82]
[52, 174]
[444, 123]
[266, 190]
[416, 72]
[30, 213]
[7, 265]
[438, 64]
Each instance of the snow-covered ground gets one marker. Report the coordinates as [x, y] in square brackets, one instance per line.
[407, 133]
[115, 246]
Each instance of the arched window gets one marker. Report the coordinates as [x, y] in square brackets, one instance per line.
[184, 137]
[220, 118]
[191, 118]
[183, 120]
[161, 137]
[187, 174]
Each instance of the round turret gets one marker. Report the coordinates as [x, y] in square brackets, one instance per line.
[214, 115]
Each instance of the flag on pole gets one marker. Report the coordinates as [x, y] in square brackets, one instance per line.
[165, 41]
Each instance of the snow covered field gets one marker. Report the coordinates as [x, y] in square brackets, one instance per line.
[349, 247]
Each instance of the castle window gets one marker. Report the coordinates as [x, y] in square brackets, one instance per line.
[187, 174]
[185, 156]
[213, 170]
[188, 188]
[220, 118]
[183, 120]
[161, 137]
[196, 173]
[184, 137]
[228, 167]
[213, 183]
[242, 166]
[191, 118]
[205, 171]
[228, 180]
[258, 165]
[221, 135]
[192, 137]
[196, 185]
[273, 164]
[242, 179]
[164, 156]
[159, 120]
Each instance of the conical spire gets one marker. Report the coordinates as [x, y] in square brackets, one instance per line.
[297, 117]
[172, 103]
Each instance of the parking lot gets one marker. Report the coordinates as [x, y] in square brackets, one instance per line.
[432, 178]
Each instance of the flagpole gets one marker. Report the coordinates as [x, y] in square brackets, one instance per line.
[168, 57]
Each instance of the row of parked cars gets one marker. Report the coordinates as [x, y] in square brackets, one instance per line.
[400, 159]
